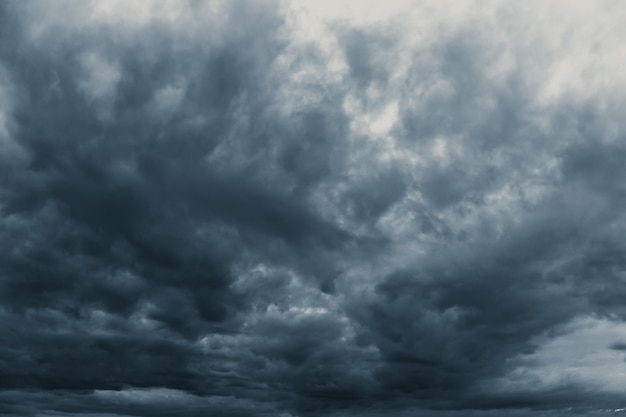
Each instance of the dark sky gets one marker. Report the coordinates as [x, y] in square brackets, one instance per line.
[336, 208]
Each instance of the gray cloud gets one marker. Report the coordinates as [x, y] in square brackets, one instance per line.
[217, 209]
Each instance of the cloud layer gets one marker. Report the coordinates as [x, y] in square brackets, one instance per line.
[274, 208]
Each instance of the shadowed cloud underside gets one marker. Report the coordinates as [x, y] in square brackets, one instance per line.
[312, 208]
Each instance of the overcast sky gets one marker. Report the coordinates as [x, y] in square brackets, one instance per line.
[315, 208]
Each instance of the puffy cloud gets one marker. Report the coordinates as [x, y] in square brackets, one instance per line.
[266, 208]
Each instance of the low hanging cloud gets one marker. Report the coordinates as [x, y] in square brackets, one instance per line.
[300, 209]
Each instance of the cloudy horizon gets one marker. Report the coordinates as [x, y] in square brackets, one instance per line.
[312, 208]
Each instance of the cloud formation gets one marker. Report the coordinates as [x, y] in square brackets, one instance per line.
[279, 208]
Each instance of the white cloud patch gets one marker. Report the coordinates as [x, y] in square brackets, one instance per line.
[99, 81]
[579, 354]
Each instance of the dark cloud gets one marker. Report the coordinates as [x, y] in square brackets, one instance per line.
[618, 346]
[228, 209]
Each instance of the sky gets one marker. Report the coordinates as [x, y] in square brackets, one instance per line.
[312, 208]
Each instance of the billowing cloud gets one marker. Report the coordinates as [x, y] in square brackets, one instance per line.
[299, 209]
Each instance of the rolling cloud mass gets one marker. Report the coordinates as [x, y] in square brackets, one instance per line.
[312, 208]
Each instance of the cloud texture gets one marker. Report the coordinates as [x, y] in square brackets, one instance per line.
[294, 209]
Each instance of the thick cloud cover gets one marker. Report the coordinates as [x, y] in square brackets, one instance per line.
[300, 209]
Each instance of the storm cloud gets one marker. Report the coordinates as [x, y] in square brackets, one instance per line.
[312, 208]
